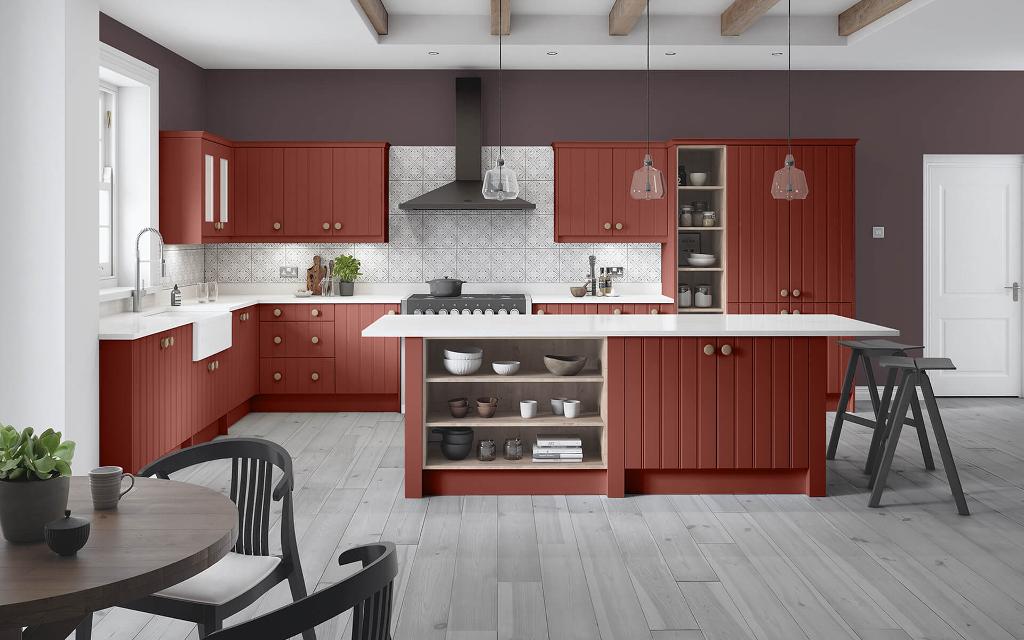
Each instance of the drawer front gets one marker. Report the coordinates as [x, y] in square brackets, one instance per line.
[296, 375]
[296, 312]
[296, 339]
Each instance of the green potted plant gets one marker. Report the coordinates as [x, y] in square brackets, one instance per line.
[35, 477]
[346, 270]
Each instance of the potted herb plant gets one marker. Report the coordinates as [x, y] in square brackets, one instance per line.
[35, 477]
[346, 270]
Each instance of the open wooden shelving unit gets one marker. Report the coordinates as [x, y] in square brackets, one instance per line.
[710, 159]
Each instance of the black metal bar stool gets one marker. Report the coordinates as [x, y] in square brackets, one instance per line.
[866, 350]
[914, 374]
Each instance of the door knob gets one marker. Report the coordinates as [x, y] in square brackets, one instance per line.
[315, 376]
[315, 313]
[327, 226]
[277, 226]
[277, 376]
[784, 293]
[618, 226]
[654, 312]
[277, 339]
[726, 349]
[709, 349]
[391, 312]
[210, 367]
[1016, 290]
[315, 340]
[540, 312]
[796, 312]
[784, 311]
[617, 312]
[277, 313]
[337, 226]
[796, 293]
[607, 226]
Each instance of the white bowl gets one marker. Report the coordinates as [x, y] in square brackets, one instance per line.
[701, 262]
[506, 367]
[698, 179]
[462, 367]
[703, 255]
[464, 353]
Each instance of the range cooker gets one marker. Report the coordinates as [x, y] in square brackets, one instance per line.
[477, 304]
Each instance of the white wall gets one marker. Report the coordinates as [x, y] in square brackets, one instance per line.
[48, 239]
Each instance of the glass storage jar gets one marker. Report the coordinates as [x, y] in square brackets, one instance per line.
[513, 449]
[486, 451]
[709, 219]
[685, 298]
[703, 297]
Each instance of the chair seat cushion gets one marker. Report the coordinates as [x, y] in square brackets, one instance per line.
[231, 577]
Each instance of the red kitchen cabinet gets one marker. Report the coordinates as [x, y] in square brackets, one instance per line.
[308, 191]
[296, 376]
[296, 340]
[244, 356]
[592, 202]
[602, 308]
[296, 312]
[195, 195]
[259, 193]
[366, 366]
[360, 196]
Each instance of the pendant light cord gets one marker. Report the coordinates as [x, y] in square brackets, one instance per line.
[500, 66]
[647, 88]
[789, 76]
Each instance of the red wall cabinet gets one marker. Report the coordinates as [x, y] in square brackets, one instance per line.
[259, 193]
[360, 198]
[196, 175]
[592, 202]
[603, 308]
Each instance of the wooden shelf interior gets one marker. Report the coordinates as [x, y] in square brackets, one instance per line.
[436, 461]
[512, 418]
[710, 160]
[486, 374]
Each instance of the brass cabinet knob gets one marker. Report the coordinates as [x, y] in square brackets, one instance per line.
[210, 367]
[277, 313]
[172, 340]
[315, 340]
[796, 293]
[784, 293]
[796, 312]
[391, 312]
[216, 364]
[617, 312]
[327, 226]
[315, 313]
[277, 339]
[164, 343]
[277, 376]
[784, 311]
[244, 317]
[726, 349]
[709, 349]
[315, 376]
[607, 225]
[618, 226]
[540, 312]
[337, 226]
[654, 312]
[277, 226]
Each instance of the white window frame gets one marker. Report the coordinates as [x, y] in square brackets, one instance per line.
[108, 157]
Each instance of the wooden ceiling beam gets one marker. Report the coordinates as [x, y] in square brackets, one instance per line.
[624, 16]
[864, 13]
[742, 14]
[376, 14]
[506, 16]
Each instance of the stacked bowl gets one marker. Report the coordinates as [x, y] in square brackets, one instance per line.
[463, 361]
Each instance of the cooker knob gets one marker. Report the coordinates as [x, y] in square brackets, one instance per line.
[430, 312]
[478, 312]
[514, 312]
[503, 311]
[417, 312]
[467, 311]
[442, 312]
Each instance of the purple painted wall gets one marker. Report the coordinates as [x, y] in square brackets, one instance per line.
[898, 116]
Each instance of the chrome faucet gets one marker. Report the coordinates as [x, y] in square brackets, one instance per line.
[137, 294]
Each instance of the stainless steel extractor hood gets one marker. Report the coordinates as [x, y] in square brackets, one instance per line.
[465, 192]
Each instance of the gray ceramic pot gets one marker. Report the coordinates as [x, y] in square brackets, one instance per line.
[26, 506]
[344, 288]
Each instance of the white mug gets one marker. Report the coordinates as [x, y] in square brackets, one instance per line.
[105, 483]
[571, 408]
[556, 406]
[528, 408]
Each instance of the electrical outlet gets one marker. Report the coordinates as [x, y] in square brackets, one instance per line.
[877, 232]
[615, 271]
[289, 272]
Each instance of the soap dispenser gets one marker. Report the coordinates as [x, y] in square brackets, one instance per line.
[175, 296]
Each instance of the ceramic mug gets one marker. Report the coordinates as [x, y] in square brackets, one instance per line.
[105, 483]
[528, 408]
[556, 406]
[571, 408]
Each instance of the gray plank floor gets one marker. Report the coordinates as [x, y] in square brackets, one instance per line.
[661, 567]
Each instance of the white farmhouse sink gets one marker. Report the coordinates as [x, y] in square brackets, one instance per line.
[211, 328]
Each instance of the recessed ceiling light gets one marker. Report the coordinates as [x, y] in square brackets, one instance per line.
[776, 53]
[433, 53]
[552, 53]
[670, 53]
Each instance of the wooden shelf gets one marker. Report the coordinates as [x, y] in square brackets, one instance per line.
[533, 376]
[703, 188]
[700, 310]
[509, 419]
[700, 268]
[436, 461]
[700, 228]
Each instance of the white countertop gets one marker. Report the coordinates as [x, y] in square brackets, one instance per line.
[631, 298]
[599, 326]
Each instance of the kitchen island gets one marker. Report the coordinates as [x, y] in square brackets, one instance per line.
[669, 404]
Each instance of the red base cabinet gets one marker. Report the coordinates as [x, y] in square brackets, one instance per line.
[602, 308]
[718, 415]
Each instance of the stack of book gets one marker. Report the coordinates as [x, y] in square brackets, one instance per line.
[558, 448]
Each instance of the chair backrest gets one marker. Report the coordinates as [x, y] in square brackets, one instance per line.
[252, 463]
[367, 592]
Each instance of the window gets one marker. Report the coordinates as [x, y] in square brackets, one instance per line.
[107, 169]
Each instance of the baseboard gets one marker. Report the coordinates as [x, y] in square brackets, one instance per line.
[326, 402]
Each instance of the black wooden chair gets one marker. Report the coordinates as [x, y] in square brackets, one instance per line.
[249, 570]
[367, 593]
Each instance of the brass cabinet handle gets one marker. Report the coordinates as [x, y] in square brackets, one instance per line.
[607, 225]
[796, 293]
[315, 340]
[327, 226]
[216, 364]
[277, 313]
[391, 312]
[337, 226]
[796, 312]
[617, 312]
[784, 293]
[244, 317]
[172, 340]
[654, 312]
[540, 312]
[277, 376]
[165, 342]
[210, 367]
[784, 311]
[277, 339]
[618, 226]
[277, 226]
[315, 376]
[709, 349]
[726, 349]
[315, 313]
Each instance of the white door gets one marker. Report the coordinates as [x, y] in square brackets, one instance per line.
[972, 262]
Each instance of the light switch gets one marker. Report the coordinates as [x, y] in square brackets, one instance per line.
[877, 232]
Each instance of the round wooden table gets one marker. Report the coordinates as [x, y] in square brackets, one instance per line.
[162, 533]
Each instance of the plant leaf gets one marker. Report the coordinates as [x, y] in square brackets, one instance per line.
[65, 450]
[49, 441]
[63, 468]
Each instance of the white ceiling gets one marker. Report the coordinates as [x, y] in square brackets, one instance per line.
[290, 34]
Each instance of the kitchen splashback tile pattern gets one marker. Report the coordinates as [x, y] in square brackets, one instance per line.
[504, 246]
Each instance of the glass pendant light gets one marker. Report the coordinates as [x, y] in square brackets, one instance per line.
[789, 182]
[500, 182]
[648, 182]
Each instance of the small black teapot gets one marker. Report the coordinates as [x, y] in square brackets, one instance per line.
[65, 536]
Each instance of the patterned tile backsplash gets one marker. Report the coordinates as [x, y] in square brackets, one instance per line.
[478, 247]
